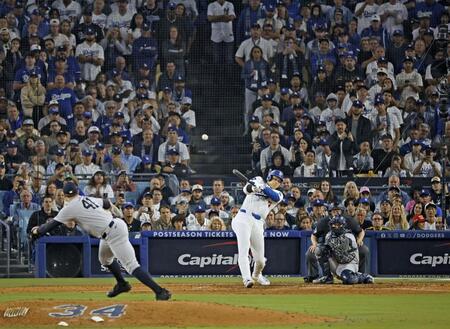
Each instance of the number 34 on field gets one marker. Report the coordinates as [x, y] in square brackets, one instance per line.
[73, 311]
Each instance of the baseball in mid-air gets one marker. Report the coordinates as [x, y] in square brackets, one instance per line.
[205, 137]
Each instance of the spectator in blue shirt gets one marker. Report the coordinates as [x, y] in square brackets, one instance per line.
[66, 99]
[247, 18]
[23, 73]
[376, 30]
[433, 7]
[325, 53]
[145, 49]
[180, 91]
[130, 160]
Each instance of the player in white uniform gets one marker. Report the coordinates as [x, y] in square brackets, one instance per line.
[343, 253]
[93, 217]
[249, 224]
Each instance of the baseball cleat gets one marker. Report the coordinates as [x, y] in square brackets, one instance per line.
[248, 283]
[324, 280]
[309, 279]
[368, 279]
[262, 280]
[118, 289]
[163, 295]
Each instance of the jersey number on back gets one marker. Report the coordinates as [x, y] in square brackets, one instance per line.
[89, 204]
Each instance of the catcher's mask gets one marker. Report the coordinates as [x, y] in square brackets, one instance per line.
[337, 225]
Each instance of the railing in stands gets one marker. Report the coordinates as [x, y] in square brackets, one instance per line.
[4, 230]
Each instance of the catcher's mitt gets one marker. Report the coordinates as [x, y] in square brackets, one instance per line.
[341, 248]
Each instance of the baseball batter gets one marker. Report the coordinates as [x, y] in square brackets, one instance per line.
[248, 224]
[92, 215]
[343, 254]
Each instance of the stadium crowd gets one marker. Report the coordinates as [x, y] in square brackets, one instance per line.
[97, 89]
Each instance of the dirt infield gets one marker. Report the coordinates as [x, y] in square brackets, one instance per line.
[275, 289]
[178, 313]
[174, 313]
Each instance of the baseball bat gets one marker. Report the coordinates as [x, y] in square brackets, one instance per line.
[237, 173]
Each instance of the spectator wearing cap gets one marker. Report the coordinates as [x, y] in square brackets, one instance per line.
[32, 97]
[144, 49]
[133, 224]
[13, 158]
[358, 124]
[376, 30]
[5, 182]
[196, 198]
[378, 64]
[363, 12]
[427, 166]
[267, 108]
[174, 122]
[309, 167]
[248, 17]
[419, 223]
[87, 21]
[172, 143]
[66, 99]
[182, 205]
[179, 89]
[59, 157]
[130, 160]
[23, 73]
[174, 166]
[146, 143]
[60, 68]
[343, 146]
[349, 71]
[255, 129]
[436, 191]
[384, 123]
[332, 111]
[198, 222]
[90, 55]
[382, 157]
[321, 83]
[92, 139]
[27, 131]
[435, 8]
[325, 52]
[187, 114]
[255, 73]
[216, 206]
[61, 142]
[362, 161]
[124, 87]
[409, 81]
[55, 33]
[87, 167]
[105, 120]
[244, 52]
[396, 50]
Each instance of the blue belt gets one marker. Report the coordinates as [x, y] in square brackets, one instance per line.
[256, 216]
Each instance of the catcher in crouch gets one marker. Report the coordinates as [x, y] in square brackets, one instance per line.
[342, 251]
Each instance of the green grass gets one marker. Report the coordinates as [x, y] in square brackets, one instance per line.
[361, 311]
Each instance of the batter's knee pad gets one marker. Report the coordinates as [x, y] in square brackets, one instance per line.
[349, 277]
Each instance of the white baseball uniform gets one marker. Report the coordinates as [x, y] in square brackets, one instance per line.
[88, 212]
[248, 225]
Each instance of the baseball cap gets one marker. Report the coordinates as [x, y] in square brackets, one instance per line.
[358, 103]
[270, 7]
[197, 187]
[116, 150]
[382, 70]
[87, 152]
[254, 119]
[2, 165]
[173, 152]
[318, 203]
[93, 129]
[99, 146]
[339, 120]
[408, 59]
[28, 122]
[70, 189]
[167, 89]
[364, 200]
[145, 27]
[332, 96]
[416, 142]
[424, 192]
[147, 194]
[179, 78]
[127, 205]
[266, 97]
[215, 201]
[87, 115]
[394, 188]
[54, 21]
[397, 33]
[200, 208]
[186, 100]
[90, 31]
[54, 110]
[284, 91]
[436, 179]
[323, 142]
[182, 201]
[11, 144]
[364, 189]
[378, 100]
[386, 201]
[430, 204]
[127, 143]
[386, 136]
[310, 191]
[119, 115]
[376, 18]
[382, 59]
[146, 159]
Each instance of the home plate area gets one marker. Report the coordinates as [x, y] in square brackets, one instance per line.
[148, 313]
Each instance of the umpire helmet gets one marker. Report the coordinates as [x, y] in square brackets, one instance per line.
[337, 225]
[275, 173]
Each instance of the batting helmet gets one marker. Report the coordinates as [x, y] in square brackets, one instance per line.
[275, 173]
[337, 225]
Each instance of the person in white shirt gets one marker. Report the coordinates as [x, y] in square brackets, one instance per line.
[414, 156]
[187, 114]
[172, 143]
[364, 11]
[331, 113]
[59, 38]
[68, 9]
[122, 18]
[384, 123]
[409, 81]
[393, 14]
[98, 17]
[309, 168]
[90, 55]
[244, 51]
[427, 167]
[86, 167]
[199, 222]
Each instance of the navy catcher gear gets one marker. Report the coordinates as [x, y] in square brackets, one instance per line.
[275, 173]
[349, 277]
[337, 225]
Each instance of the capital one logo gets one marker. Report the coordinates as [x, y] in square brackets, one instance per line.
[420, 259]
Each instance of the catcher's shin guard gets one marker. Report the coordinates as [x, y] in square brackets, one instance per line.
[349, 277]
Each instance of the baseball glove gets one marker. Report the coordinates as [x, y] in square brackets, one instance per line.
[341, 248]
